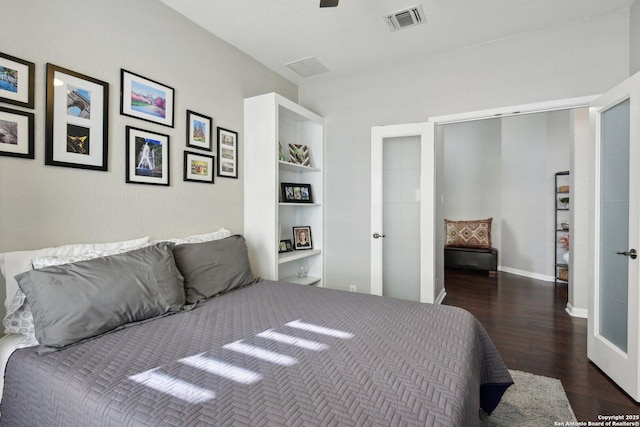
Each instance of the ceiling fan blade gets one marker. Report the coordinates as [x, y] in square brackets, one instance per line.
[328, 3]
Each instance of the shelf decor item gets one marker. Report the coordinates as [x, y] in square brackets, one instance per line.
[302, 238]
[285, 246]
[16, 133]
[145, 99]
[147, 157]
[296, 193]
[76, 131]
[302, 270]
[227, 153]
[199, 131]
[17, 78]
[198, 167]
[299, 154]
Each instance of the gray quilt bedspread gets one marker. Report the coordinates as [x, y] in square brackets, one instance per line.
[270, 354]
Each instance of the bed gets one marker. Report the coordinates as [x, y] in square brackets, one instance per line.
[255, 353]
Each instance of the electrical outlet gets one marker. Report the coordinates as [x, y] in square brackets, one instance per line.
[352, 288]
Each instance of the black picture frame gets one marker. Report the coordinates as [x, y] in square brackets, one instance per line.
[16, 133]
[227, 153]
[199, 168]
[295, 193]
[285, 246]
[302, 238]
[199, 131]
[77, 120]
[147, 157]
[17, 81]
[146, 99]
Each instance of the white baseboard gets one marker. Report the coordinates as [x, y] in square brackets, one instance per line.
[440, 298]
[577, 312]
[528, 274]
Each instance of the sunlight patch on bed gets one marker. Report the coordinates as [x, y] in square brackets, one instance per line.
[260, 353]
[177, 388]
[194, 394]
[221, 369]
[270, 334]
[310, 327]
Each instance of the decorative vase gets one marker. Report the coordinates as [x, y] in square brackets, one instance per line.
[303, 268]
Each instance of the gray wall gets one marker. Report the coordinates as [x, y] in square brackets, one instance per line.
[46, 205]
[577, 59]
[473, 173]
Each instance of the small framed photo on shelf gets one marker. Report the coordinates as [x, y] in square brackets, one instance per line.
[16, 133]
[285, 246]
[227, 153]
[76, 131]
[147, 157]
[296, 193]
[17, 78]
[302, 238]
[146, 99]
[299, 154]
[199, 131]
[198, 167]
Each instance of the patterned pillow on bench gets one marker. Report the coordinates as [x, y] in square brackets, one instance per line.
[469, 234]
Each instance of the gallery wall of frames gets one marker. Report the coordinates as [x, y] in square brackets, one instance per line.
[77, 125]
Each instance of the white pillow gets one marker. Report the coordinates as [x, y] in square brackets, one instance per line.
[199, 238]
[20, 261]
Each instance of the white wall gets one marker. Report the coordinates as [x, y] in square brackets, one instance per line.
[46, 205]
[634, 39]
[578, 59]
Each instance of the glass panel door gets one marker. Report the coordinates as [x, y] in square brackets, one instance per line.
[614, 224]
[401, 217]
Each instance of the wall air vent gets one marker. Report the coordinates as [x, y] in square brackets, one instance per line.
[406, 18]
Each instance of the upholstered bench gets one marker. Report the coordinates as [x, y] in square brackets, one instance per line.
[471, 259]
[468, 245]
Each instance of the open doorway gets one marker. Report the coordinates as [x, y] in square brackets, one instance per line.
[580, 181]
[504, 169]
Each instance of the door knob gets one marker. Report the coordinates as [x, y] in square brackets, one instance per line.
[632, 253]
[377, 235]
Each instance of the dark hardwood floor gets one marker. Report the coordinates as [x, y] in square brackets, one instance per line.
[527, 321]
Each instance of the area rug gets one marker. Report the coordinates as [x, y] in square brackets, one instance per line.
[532, 400]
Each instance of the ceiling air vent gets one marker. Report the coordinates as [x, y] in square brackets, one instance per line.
[406, 18]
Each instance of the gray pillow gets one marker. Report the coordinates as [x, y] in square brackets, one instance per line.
[211, 268]
[75, 301]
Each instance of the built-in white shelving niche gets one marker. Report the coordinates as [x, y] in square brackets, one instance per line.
[272, 121]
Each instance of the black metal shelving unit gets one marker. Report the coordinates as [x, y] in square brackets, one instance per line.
[561, 216]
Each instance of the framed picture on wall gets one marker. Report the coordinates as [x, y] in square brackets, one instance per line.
[199, 131]
[17, 78]
[145, 99]
[227, 153]
[198, 167]
[77, 120]
[302, 238]
[16, 133]
[147, 157]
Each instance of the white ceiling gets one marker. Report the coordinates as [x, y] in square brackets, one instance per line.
[355, 36]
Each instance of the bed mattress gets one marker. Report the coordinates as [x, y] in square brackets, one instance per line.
[270, 354]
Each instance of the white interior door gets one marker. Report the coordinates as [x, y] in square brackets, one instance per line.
[402, 228]
[613, 325]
